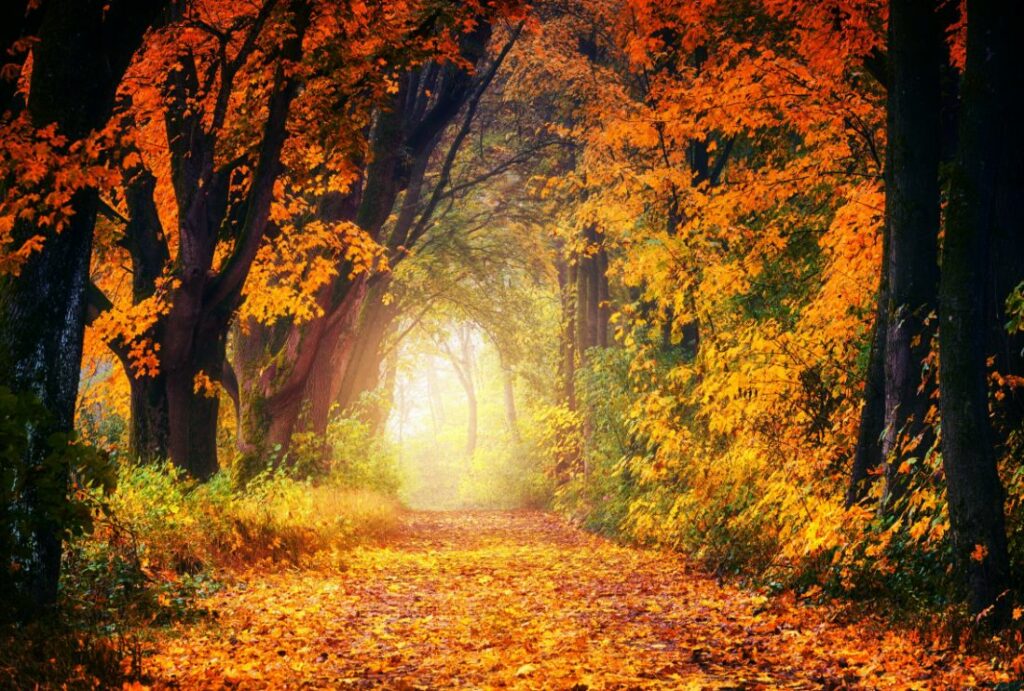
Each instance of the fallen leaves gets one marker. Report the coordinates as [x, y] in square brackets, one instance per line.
[521, 600]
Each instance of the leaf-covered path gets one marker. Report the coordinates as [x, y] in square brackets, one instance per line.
[521, 600]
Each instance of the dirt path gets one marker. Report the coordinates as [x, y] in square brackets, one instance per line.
[520, 600]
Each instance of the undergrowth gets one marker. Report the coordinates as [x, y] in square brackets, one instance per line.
[159, 543]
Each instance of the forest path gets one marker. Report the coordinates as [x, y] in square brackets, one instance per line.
[522, 600]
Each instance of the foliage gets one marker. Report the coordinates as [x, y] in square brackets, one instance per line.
[1015, 309]
[505, 477]
[507, 469]
[31, 497]
[350, 455]
[177, 526]
[560, 436]
[598, 497]
[585, 612]
[697, 187]
[158, 547]
[361, 459]
[732, 165]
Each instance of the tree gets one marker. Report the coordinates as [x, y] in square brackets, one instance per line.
[915, 59]
[985, 174]
[462, 360]
[309, 359]
[82, 52]
[175, 407]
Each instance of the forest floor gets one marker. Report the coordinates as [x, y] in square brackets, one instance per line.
[523, 600]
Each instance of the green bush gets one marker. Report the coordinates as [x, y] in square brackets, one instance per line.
[42, 491]
[361, 459]
[168, 524]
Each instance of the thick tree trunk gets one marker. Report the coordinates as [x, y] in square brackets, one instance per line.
[912, 215]
[192, 409]
[83, 50]
[362, 373]
[975, 491]
[193, 334]
[150, 426]
[42, 321]
[333, 361]
[265, 420]
[274, 395]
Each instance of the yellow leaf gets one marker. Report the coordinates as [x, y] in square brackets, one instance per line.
[526, 670]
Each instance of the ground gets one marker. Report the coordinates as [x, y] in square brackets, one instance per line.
[523, 600]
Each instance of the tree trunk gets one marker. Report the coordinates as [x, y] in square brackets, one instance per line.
[334, 359]
[275, 394]
[466, 377]
[471, 424]
[974, 488]
[581, 304]
[435, 401]
[192, 409]
[193, 334]
[462, 361]
[150, 427]
[912, 215]
[604, 308]
[595, 327]
[511, 415]
[567, 361]
[867, 455]
[149, 437]
[362, 373]
[387, 401]
[84, 47]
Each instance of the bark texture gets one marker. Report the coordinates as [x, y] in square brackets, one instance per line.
[978, 182]
[84, 48]
[912, 216]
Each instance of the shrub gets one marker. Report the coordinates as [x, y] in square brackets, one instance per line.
[179, 526]
[161, 539]
[361, 459]
[51, 491]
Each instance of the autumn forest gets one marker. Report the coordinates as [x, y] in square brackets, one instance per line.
[500, 344]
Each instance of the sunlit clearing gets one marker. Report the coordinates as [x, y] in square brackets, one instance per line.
[454, 422]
